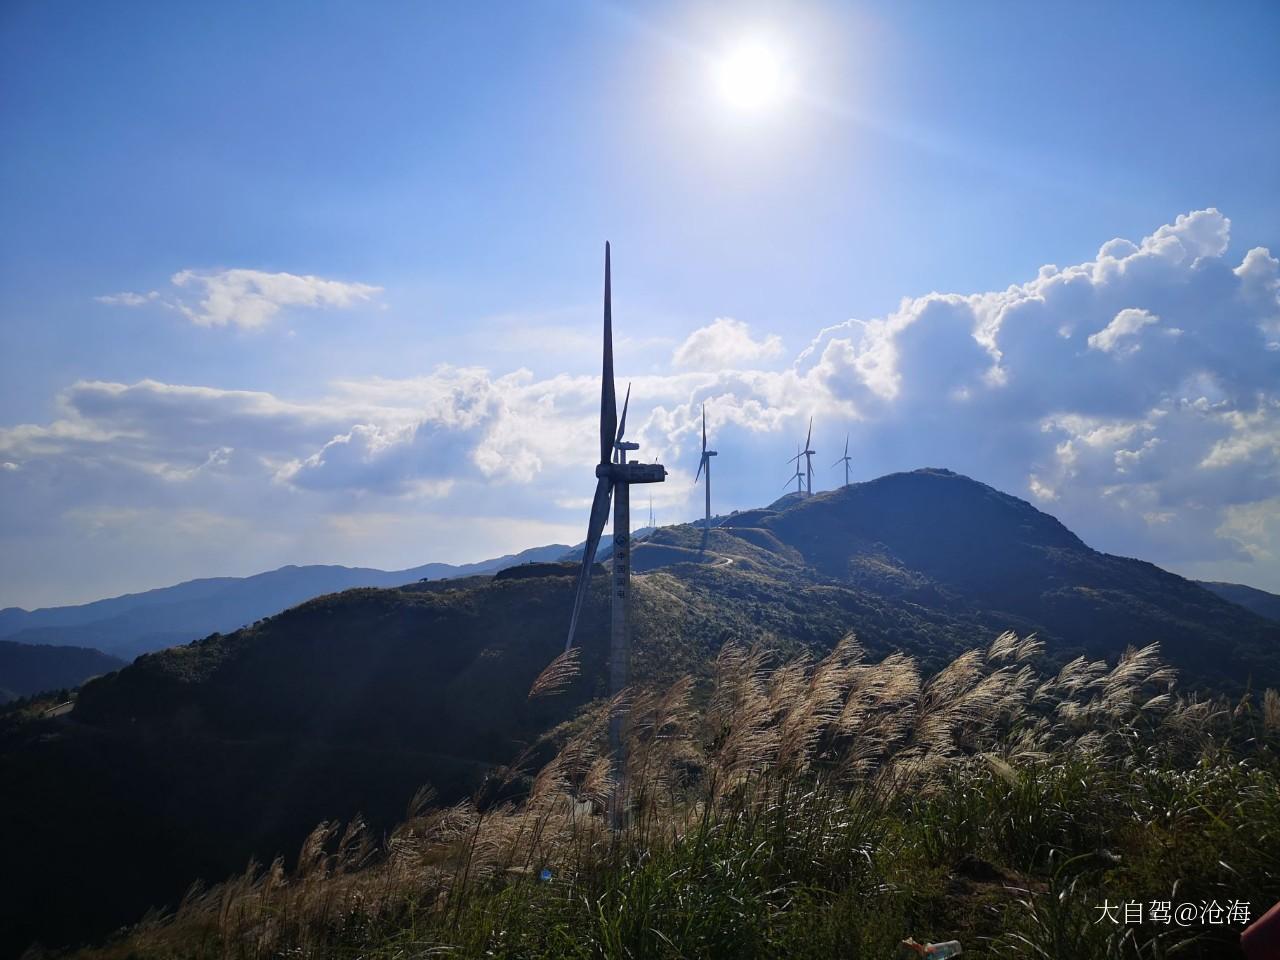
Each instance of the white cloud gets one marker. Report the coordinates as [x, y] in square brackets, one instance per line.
[725, 342]
[1121, 333]
[248, 299]
[1254, 527]
[129, 299]
[1254, 437]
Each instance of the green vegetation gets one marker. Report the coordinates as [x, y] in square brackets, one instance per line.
[29, 669]
[807, 809]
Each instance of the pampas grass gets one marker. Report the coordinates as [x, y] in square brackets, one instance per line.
[764, 797]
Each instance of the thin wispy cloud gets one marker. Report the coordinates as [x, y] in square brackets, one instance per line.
[128, 299]
[248, 299]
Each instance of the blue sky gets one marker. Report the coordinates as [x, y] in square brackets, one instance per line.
[387, 221]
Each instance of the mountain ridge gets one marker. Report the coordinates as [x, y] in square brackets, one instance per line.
[1261, 602]
[135, 623]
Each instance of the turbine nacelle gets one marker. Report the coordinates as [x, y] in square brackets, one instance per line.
[631, 472]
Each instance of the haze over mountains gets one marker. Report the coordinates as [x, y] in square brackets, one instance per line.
[205, 755]
[138, 623]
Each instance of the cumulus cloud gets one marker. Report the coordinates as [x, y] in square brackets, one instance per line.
[248, 299]
[1170, 452]
[1041, 388]
[725, 342]
[1122, 332]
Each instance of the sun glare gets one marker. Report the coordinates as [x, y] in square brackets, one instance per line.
[750, 76]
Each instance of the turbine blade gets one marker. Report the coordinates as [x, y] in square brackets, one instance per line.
[810, 434]
[704, 428]
[700, 464]
[846, 444]
[622, 424]
[595, 526]
[608, 401]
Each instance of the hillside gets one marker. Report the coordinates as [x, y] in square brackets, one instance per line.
[956, 544]
[864, 809]
[27, 669]
[142, 622]
[1261, 602]
[348, 702]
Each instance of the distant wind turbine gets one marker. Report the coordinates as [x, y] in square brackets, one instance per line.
[807, 453]
[798, 476]
[705, 462]
[614, 475]
[845, 460]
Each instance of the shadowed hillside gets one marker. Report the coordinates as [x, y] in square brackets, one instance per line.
[26, 669]
[1259, 601]
[345, 704]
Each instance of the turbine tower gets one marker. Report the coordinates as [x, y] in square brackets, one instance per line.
[845, 460]
[614, 476]
[705, 462]
[807, 453]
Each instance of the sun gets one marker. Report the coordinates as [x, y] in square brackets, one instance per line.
[750, 76]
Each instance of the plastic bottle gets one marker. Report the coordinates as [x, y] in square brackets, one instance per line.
[935, 951]
[948, 948]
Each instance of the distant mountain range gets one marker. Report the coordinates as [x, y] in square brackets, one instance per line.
[204, 755]
[142, 622]
[64, 646]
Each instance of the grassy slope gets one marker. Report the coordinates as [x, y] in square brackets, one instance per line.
[996, 806]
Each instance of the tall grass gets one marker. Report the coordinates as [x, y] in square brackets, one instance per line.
[805, 809]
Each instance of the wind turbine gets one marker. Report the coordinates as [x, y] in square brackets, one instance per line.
[705, 462]
[614, 476]
[807, 453]
[798, 476]
[845, 460]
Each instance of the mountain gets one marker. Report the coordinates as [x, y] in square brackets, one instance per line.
[203, 756]
[142, 622]
[1259, 601]
[960, 545]
[574, 554]
[26, 669]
